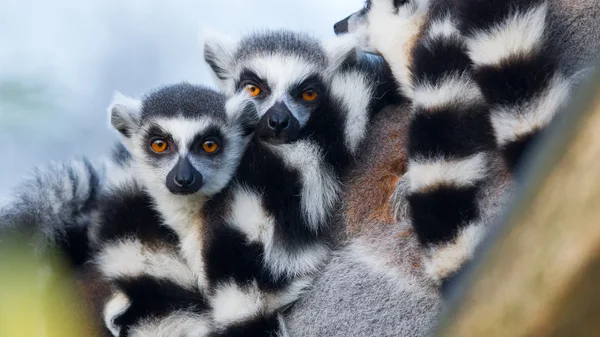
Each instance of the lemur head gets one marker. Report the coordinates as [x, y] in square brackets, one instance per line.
[383, 26]
[285, 73]
[182, 138]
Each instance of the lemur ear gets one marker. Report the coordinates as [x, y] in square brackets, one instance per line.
[124, 114]
[219, 50]
[340, 50]
[241, 110]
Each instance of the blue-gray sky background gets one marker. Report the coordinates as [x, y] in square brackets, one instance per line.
[61, 60]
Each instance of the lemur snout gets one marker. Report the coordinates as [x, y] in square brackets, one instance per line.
[341, 27]
[278, 125]
[278, 122]
[184, 178]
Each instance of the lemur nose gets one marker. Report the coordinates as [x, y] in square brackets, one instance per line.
[341, 27]
[184, 180]
[278, 122]
[184, 177]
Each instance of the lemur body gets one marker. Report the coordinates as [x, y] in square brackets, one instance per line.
[181, 146]
[185, 147]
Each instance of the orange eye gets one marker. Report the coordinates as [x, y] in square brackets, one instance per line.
[159, 145]
[309, 95]
[253, 90]
[210, 146]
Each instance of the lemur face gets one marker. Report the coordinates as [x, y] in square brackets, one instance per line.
[284, 73]
[287, 90]
[182, 139]
[385, 26]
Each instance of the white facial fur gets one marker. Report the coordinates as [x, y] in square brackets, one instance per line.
[281, 72]
[391, 32]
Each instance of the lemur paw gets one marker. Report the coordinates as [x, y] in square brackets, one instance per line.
[113, 310]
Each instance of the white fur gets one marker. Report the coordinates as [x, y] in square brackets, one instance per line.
[116, 306]
[249, 216]
[451, 90]
[519, 34]
[231, 303]
[320, 186]
[509, 125]
[124, 112]
[176, 324]
[444, 28]
[129, 257]
[466, 172]
[223, 49]
[337, 50]
[394, 35]
[354, 91]
[191, 240]
[234, 107]
[445, 259]
[284, 262]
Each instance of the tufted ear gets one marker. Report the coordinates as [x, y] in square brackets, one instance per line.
[241, 110]
[124, 115]
[341, 49]
[219, 51]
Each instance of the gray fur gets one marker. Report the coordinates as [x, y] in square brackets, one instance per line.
[354, 298]
[186, 100]
[55, 200]
[576, 32]
[281, 42]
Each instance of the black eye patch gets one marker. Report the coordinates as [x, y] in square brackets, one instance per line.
[247, 76]
[398, 3]
[213, 133]
[152, 133]
[157, 131]
[313, 82]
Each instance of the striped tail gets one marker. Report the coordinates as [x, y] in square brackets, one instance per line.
[452, 156]
[54, 208]
[509, 44]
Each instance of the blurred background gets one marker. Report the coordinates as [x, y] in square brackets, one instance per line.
[61, 60]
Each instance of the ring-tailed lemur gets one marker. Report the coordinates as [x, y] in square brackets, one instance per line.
[181, 147]
[314, 114]
[479, 94]
[266, 233]
[185, 147]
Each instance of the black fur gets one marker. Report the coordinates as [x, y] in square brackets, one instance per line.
[439, 214]
[514, 151]
[516, 82]
[439, 58]
[259, 326]
[484, 14]
[126, 211]
[154, 298]
[451, 131]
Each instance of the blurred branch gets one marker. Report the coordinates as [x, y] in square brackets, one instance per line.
[540, 274]
[38, 298]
